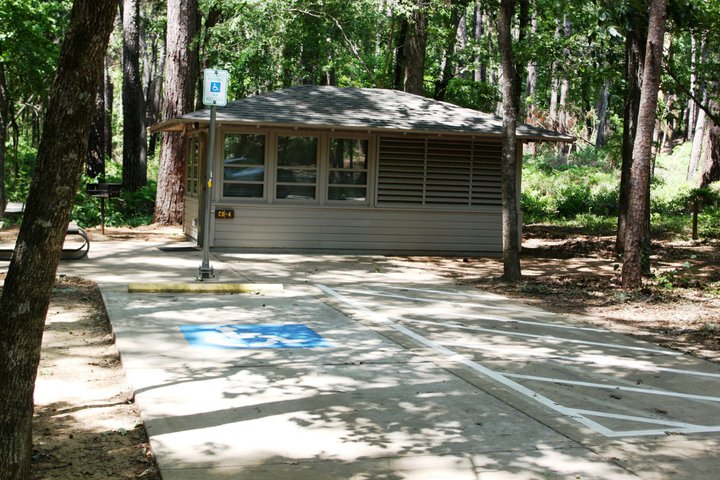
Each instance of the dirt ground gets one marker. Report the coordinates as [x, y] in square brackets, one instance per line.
[87, 426]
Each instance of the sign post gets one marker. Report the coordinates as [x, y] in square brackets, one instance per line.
[214, 95]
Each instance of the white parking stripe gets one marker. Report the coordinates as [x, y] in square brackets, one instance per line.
[425, 300]
[492, 318]
[580, 415]
[485, 296]
[544, 338]
[621, 388]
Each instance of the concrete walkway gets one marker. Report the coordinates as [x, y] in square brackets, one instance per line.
[377, 368]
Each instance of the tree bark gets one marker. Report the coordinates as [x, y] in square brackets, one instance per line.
[96, 142]
[711, 168]
[400, 54]
[179, 95]
[511, 107]
[634, 64]
[565, 82]
[31, 273]
[698, 137]
[635, 231]
[134, 135]
[478, 32]
[602, 116]
[4, 121]
[109, 99]
[415, 51]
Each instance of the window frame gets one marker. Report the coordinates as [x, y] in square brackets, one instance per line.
[192, 164]
[318, 168]
[266, 166]
[329, 170]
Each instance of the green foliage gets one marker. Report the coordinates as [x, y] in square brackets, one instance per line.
[131, 208]
[470, 94]
[567, 190]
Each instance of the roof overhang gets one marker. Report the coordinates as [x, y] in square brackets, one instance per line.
[356, 109]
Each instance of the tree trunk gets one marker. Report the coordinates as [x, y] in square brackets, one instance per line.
[634, 64]
[698, 137]
[179, 90]
[691, 105]
[400, 54]
[134, 135]
[531, 72]
[602, 116]
[109, 99]
[446, 67]
[565, 82]
[31, 273]
[462, 37]
[478, 32]
[635, 231]
[511, 107]
[711, 168]
[416, 45]
[96, 142]
[4, 121]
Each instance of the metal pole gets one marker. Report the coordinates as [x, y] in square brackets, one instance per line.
[205, 270]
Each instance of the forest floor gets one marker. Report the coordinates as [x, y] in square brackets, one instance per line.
[87, 426]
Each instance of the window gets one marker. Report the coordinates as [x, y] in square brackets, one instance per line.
[296, 167]
[348, 170]
[244, 166]
[192, 167]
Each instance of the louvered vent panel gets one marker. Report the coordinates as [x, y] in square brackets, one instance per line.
[439, 171]
[448, 168]
[401, 175]
[486, 175]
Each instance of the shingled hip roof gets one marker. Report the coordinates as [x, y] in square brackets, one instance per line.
[370, 109]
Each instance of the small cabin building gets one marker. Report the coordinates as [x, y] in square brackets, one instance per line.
[349, 169]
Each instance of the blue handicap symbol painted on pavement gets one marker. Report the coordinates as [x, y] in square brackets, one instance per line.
[289, 335]
[215, 87]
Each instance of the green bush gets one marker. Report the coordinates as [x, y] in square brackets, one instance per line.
[130, 208]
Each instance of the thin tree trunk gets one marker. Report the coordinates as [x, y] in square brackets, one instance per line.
[416, 45]
[602, 116]
[565, 82]
[698, 137]
[179, 90]
[4, 112]
[691, 105]
[400, 54]
[96, 143]
[31, 274]
[109, 98]
[462, 38]
[134, 134]
[511, 107]
[478, 32]
[635, 232]
[446, 67]
[532, 72]
[634, 65]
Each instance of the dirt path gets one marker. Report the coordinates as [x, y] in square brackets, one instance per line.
[86, 424]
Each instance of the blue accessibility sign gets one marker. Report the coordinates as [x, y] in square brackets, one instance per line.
[215, 87]
[288, 335]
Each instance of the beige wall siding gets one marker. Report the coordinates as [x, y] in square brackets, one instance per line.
[190, 225]
[361, 230]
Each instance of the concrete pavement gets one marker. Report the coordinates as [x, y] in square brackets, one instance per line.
[375, 367]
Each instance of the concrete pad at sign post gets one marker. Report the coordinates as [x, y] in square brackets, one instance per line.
[360, 406]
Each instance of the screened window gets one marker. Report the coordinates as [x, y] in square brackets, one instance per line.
[244, 165]
[348, 169]
[192, 168]
[296, 168]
